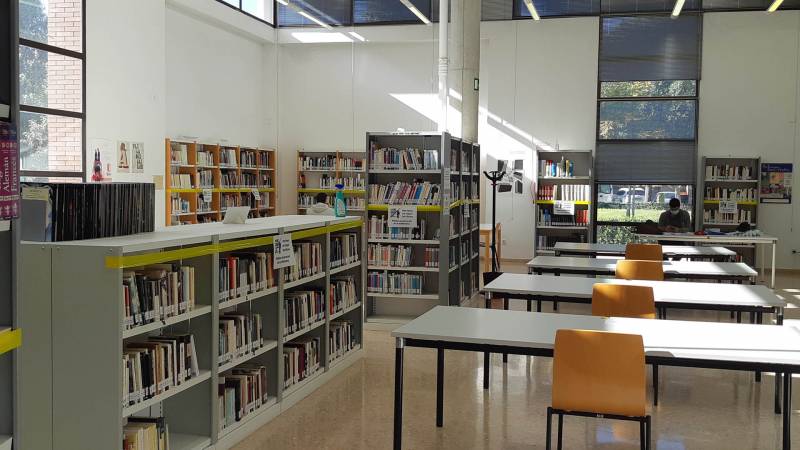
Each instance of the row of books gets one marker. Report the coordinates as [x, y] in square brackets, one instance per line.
[394, 283]
[327, 162]
[403, 159]
[455, 189]
[232, 179]
[569, 192]
[351, 164]
[548, 219]
[205, 205]
[180, 205]
[389, 255]
[301, 359]
[432, 257]
[349, 183]
[465, 166]
[179, 154]
[713, 216]
[307, 261]
[244, 273]
[351, 203]
[241, 392]
[228, 200]
[227, 157]
[248, 159]
[238, 335]
[156, 365]
[720, 193]
[729, 172]
[561, 169]
[302, 309]
[344, 249]
[205, 159]
[205, 178]
[265, 180]
[465, 251]
[156, 293]
[145, 433]
[341, 339]
[401, 193]
[180, 181]
[379, 229]
[343, 293]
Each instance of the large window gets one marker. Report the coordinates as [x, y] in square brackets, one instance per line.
[263, 10]
[51, 88]
[621, 205]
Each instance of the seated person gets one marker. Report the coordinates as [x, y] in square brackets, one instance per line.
[321, 208]
[675, 220]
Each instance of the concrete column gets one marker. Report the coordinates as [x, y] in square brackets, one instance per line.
[464, 64]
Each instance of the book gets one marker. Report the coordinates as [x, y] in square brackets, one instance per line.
[302, 310]
[341, 339]
[156, 365]
[343, 249]
[301, 359]
[241, 391]
[389, 255]
[145, 433]
[343, 293]
[394, 283]
[238, 335]
[307, 261]
[245, 273]
[156, 293]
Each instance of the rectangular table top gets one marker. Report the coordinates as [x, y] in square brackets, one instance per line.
[693, 268]
[720, 238]
[663, 291]
[683, 340]
[619, 249]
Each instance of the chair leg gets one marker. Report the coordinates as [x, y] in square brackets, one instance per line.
[560, 430]
[642, 435]
[648, 432]
[548, 444]
[655, 384]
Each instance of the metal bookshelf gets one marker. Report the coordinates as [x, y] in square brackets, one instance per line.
[559, 177]
[341, 164]
[206, 200]
[451, 226]
[75, 306]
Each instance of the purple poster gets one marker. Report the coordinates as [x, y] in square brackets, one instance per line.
[776, 183]
[9, 172]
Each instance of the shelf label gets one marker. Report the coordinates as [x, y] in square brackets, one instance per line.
[256, 194]
[403, 216]
[563, 208]
[728, 207]
[207, 196]
[283, 251]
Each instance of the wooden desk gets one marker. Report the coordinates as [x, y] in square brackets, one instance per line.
[485, 233]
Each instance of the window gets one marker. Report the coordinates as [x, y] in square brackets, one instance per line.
[381, 11]
[620, 205]
[263, 10]
[51, 88]
[656, 89]
[554, 8]
[660, 119]
[312, 12]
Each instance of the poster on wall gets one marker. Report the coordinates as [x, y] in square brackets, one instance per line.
[123, 157]
[137, 150]
[9, 172]
[101, 159]
[776, 183]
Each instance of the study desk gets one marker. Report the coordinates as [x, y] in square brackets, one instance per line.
[715, 239]
[666, 342]
[691, 252]
[672, 269]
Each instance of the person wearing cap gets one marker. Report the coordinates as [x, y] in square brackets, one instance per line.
[675, 220]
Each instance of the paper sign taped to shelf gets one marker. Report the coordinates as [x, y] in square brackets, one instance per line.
[563, 208]
[207, 196]
[403, 216]
[256, 194]
[283, 251]
[728, 207]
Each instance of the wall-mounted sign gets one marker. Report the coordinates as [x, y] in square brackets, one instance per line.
[776, 183]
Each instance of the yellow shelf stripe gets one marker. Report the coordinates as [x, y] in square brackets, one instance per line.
[550, 202]
[9, 340]
[345, 226]
[747, 202]
[331, 191]
[184, 191]
[233, 246]
[422, 208]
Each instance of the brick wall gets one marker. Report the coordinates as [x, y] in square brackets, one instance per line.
[64, 87]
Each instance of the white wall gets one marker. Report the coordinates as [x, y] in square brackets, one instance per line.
[749, 102]
[538, 87]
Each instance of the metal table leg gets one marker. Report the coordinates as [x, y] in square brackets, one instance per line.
[787, 411]
[772, 283]
[439, 387]
[398, 393]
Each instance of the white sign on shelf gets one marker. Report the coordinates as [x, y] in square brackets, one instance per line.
[207, 195]
[283, 251]
[403, 216]
[563, 208]
[728, 207]
[256, 194]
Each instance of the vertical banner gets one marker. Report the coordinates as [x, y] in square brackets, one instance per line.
[776, 183]
[9, 172]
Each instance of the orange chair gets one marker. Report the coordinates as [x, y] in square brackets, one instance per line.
[633, 269]
[644, 252]
[599, 374]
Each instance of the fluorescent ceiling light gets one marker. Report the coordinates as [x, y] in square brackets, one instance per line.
[416, 11]
[314, 19]
[357, 36]
[316, 37]
[532, 9]
[774, 6]
[676, 11]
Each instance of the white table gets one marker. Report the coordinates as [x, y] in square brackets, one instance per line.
[721, 254]
[672, 269]
[667, 343]
[762, 240]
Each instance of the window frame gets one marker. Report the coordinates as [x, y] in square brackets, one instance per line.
[54, 111]
[239, 9]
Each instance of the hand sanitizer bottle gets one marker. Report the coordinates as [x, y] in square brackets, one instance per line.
[339, 207]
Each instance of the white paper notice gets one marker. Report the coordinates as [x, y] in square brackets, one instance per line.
[563, 208]
[207, 195]
[256, 194]
[403, 216]
[283, 251]
[728, 207]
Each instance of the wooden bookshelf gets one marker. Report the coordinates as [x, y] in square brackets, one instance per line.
[313, 179]
[218, 176]
[77, 307]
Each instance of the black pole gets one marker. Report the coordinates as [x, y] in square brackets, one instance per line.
[494, 176]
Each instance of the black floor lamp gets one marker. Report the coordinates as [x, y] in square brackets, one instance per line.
[495, 176]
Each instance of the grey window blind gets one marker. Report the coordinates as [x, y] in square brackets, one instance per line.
[671, 162]
[555, 8]
[650, 48]
[332, 12]
[496, 10]
[377, 11]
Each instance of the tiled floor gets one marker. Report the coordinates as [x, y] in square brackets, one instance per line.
[699, 409]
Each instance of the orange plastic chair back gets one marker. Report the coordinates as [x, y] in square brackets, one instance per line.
[621, 300]
[599, 372]
[634, 269]
[644, 252]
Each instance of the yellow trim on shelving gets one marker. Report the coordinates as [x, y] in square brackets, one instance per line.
[550, 202]
[184, 190]
[232, 246]
[345, 226]
[10, 339]
[422, 208]
[331, 191]
[747, 202]
[302, 234]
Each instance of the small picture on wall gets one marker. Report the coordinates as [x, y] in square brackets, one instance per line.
[137, 149]
[123, 157]
[776, 183]
[102, 159]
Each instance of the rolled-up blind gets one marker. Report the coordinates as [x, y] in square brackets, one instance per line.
[650, 48]
[671, 162]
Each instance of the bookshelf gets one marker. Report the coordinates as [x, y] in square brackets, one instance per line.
[320, 171]
[563, 184]
[411, 270]
[202, 180]
[86, 334]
